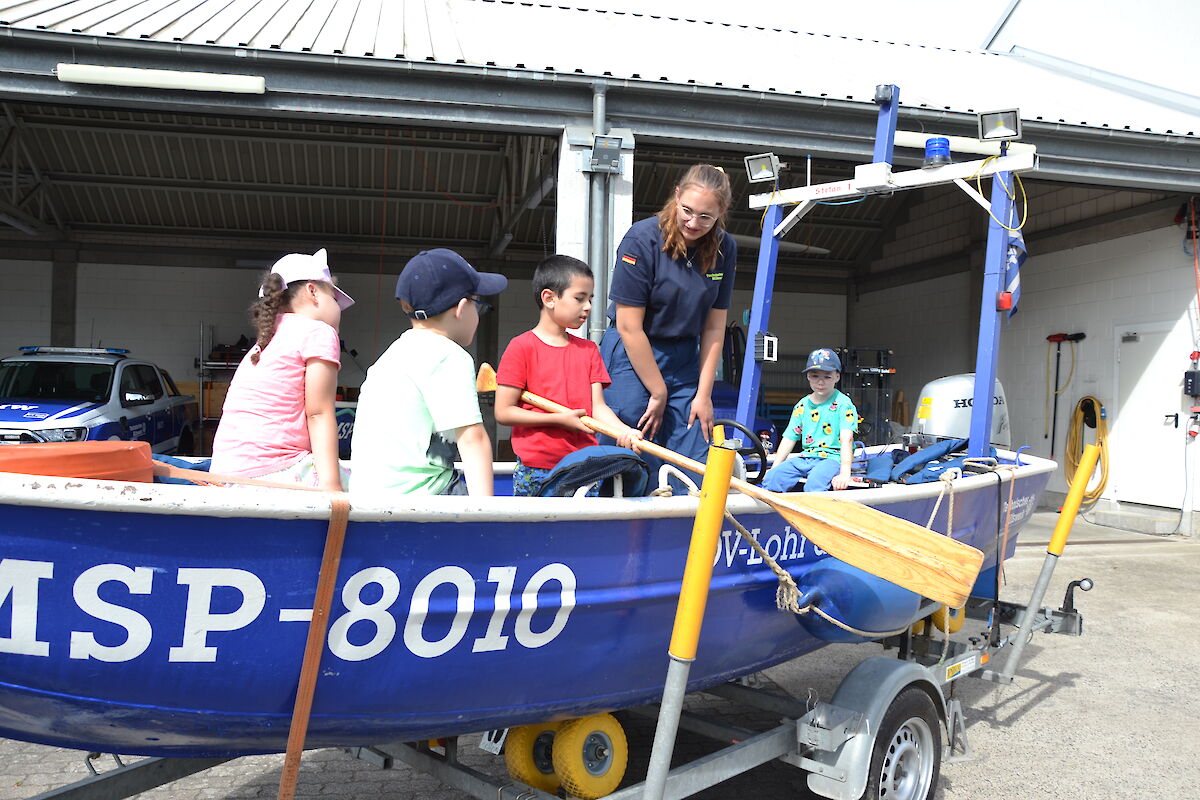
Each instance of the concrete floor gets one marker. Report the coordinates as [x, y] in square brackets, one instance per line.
[1111, 715]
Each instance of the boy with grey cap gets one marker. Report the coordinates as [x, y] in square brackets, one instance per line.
[419, 401]
[824, 422]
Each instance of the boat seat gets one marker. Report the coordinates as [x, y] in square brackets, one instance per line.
[201, 465]
[620, 471]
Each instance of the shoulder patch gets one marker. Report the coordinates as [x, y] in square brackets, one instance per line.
[628, 259]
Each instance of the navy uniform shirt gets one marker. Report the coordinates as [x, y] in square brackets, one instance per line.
[677, 298]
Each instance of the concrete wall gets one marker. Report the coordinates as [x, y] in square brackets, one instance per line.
[157, 312]
[1095, 288]
[25, 319]
[930, 326]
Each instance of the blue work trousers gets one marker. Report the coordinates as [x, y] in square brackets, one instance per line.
[820, 473]
[679, 362]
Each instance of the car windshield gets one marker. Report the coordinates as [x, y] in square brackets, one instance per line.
[55, 381]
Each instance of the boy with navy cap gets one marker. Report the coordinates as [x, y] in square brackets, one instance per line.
[419, 400]
[824, 422]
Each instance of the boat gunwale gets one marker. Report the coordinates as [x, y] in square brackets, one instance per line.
[282, 503]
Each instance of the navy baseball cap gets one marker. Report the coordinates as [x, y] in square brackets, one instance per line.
[825, 360]
[433, 281]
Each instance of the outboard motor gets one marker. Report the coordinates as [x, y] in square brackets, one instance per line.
[944, 411]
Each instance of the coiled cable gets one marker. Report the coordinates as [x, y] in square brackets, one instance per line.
[1086, 406]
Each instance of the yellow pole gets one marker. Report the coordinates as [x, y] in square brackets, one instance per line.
[689, 614]
[1066, 517]
[697, 574]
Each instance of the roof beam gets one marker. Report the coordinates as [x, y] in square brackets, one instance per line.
[198, 129]
[201, 186]
[315, 87]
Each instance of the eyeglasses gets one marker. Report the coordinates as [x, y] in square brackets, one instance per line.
[703, 220]
[482, 306]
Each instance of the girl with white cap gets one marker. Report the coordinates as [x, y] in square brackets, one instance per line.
[278, 420]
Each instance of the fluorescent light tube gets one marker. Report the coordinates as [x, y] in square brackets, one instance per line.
[161, 79]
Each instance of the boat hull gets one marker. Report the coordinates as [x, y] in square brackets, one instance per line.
[140, 619]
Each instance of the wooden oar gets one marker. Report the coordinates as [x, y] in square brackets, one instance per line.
[928, 563]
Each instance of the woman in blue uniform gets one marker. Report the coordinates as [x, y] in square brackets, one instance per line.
[670, 294]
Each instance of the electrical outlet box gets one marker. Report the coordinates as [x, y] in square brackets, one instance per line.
[766, 347]
[875, 177]
[1191, 383]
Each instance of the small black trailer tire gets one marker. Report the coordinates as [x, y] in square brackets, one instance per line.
[907, 756]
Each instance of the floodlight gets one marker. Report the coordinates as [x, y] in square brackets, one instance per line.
[605, 155]
[1000, 125]
[763, 167]
[160, 79]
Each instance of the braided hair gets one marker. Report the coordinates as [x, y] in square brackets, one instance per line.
[277, 299]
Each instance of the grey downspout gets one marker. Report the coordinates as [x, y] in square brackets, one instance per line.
[598, 256]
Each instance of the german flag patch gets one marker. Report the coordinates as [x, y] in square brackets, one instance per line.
[628, 259]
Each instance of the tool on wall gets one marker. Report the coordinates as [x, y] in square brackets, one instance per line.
[1089, 413]
[1051, 430]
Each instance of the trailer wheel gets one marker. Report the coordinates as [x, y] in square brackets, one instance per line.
[590, 755]
[907, 755]
[527, 754]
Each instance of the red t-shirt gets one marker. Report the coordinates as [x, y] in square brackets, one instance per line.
[562, 374]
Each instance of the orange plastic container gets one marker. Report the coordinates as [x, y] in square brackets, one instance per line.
[106, 461]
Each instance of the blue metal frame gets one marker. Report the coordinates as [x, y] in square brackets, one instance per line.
[988, 349]
[760, 315]
[989, 317]
[885, 128]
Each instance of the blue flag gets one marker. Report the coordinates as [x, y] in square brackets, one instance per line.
[1012, 268]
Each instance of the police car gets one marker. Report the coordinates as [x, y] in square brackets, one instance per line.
[69, 394]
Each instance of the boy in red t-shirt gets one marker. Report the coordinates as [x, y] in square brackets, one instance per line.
[552, 363]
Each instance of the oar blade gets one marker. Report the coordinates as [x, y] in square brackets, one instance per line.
[485, 379]
[918, 559]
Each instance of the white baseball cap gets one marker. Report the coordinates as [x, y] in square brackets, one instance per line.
[303, 267]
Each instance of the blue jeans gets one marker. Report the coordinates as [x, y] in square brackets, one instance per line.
[528, 481]
[820, 472]
[679, 362]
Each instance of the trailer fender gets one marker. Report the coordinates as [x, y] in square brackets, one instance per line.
[869, 689]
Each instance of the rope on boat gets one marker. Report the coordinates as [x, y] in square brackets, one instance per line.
[787, 595]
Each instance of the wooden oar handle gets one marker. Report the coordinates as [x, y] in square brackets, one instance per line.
[599, 427]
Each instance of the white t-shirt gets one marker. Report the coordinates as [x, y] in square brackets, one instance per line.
[414, 397]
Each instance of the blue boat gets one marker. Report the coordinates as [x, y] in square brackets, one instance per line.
[170, 620]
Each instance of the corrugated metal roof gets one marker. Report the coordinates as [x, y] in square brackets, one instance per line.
[563, 39]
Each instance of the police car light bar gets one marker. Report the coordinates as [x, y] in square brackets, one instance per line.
[93, 351]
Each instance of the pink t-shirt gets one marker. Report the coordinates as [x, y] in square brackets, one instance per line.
[263, 427]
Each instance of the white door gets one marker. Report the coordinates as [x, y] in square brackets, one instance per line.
[1146, 457]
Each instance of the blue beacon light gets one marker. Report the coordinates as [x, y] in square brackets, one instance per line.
[937, 151]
